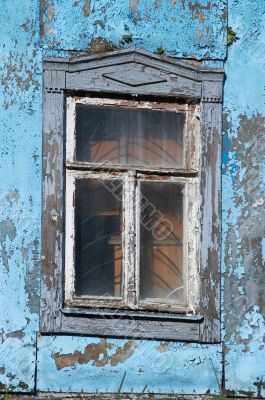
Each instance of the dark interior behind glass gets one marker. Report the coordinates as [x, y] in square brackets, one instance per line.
[129, 136]
[98, 253]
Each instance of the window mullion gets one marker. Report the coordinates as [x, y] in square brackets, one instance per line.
[129, 238]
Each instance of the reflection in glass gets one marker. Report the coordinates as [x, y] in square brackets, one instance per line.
[129, 136]
[161, 242]
[98, 252]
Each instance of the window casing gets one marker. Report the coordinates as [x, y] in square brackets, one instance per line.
[128, 298]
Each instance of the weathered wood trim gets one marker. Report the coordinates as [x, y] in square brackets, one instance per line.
[69, 270]
[210, 217]
[54, 81]
[129, 288]
[137, 314]
[53, 199]
[174, 65]
[158, 82]
[79, 165]
[131, 328]
[80, 63]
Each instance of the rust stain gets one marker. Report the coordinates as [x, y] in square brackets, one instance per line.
[47, 11]
[42, 30]
[23, 385]
[50, 12]
[224, 15]
[2, 386]
[163, 347]
[197, 9]
[86, 6]
[97, 354]
[100, 45]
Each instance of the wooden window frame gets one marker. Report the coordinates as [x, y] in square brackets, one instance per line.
[188, 175]
[129, 73]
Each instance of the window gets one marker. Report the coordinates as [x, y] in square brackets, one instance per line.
[129, 190]
[131, 213]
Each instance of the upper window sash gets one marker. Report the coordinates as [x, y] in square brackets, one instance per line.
[162, 161]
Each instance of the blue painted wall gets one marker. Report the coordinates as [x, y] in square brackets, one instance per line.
[20, 191]
[184, 28]
[244, 201]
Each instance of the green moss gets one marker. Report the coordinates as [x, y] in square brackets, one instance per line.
[160, 51]
[231, 36]
[126, 39]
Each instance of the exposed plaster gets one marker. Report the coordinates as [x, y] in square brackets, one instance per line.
[243, 211]
[97, 354]
[244, 239]
[85, 6]
[103, 363]
[198, 9]
[193, 30]
[134, 5]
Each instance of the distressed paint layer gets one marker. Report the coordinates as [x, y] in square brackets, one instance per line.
[193, 28]
[20, 151]
[92, 364]
[243, 202]
[185, 29]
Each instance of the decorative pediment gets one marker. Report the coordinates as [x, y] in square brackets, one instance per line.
[136, 75]
[134, 71]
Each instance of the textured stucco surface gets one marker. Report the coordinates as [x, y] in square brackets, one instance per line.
[186, 28]
[30, 30]
[20, 192]
[243, 201]
[75, 364]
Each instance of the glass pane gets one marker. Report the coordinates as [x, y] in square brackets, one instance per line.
[138, 137]
[161, 242]
[98, 229]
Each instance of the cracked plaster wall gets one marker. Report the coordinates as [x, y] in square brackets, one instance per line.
[243, 201]
[192, 29]
[20, 188]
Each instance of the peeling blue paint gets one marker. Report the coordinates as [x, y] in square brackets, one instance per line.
[185, 28]
[242, 202]
[20, 186]
[163, 367]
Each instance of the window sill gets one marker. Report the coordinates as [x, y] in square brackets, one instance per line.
[144, 315]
